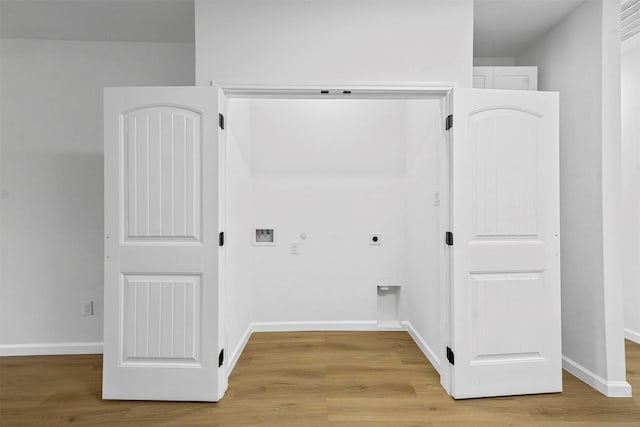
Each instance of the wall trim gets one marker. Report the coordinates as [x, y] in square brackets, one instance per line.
[235, 356]
[632, 335]
[608, 388]
[317, 326]
[51, 349]
[423, 346]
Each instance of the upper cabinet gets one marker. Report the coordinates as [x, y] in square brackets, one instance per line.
[519, 78]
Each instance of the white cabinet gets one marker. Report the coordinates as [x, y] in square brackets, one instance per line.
[519, 78]
[483, 77]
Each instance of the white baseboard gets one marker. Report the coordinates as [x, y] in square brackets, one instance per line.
[632, 335]
[238, 350]
[51, 349]
[315, 326]
[608, 388]
[422, 344]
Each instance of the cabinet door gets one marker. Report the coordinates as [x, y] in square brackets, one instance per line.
[519, 78]
[161, 316]
[483, 77]
[506, 335]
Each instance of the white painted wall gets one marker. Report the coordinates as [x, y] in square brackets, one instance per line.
[631, 184]
[613, 233]
[589, 175]
[52, 177]
[492, 61]
[424, 130]
[334, 169]
[238, 307]
[334, 40]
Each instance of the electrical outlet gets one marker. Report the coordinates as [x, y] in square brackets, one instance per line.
[295, 248]
[375, 238]
[87, 308]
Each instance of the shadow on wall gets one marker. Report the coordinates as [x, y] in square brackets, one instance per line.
[51, 246]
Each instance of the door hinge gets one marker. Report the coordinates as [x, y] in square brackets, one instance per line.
[448, 238]
[450, 356]
[221, 120]
[448, 122]
[221, 239]
[221, 358]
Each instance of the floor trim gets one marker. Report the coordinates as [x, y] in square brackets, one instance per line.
[315, 326]
[235, 356]
[51, 349]
[423, 346]
[608, 388]
[632, 335]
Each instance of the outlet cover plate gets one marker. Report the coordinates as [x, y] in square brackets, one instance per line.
[87, 308]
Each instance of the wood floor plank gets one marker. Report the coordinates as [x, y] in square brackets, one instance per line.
[306, 378]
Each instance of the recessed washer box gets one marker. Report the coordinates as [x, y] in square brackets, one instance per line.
[388, 310]
[264, 236]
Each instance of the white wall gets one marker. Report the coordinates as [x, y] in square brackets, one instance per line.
[631, 184]
[52, 177]
[424, 239]
[589, 181]
[490, 61]
[334, 169]
[238, 289]
[334, 40]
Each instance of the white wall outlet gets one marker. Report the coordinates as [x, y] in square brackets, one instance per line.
[375, 239]
[87, 308]
[295, 248]
[436, 198]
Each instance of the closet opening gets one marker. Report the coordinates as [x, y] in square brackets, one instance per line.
[334, 205]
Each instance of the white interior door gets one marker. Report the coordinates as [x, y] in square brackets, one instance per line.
[223, 102]
[161, 321]
[506, 336]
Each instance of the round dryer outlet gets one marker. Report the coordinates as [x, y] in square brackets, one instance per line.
[375, 238]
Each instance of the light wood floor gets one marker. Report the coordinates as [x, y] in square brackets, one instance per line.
[305, 379]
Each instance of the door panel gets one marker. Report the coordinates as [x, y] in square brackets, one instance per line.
[161, 331]
[506, 269]
[162, 156]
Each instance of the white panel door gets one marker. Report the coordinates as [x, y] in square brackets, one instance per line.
[223, 102]
[506, 335]
[161, 314]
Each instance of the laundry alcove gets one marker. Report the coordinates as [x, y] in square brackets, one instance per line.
[243, 208]
[327, 174]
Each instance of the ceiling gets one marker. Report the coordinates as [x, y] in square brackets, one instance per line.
[99, 20]
[501, 27]
[506, 27]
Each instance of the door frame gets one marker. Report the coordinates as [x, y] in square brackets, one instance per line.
[355, 90]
